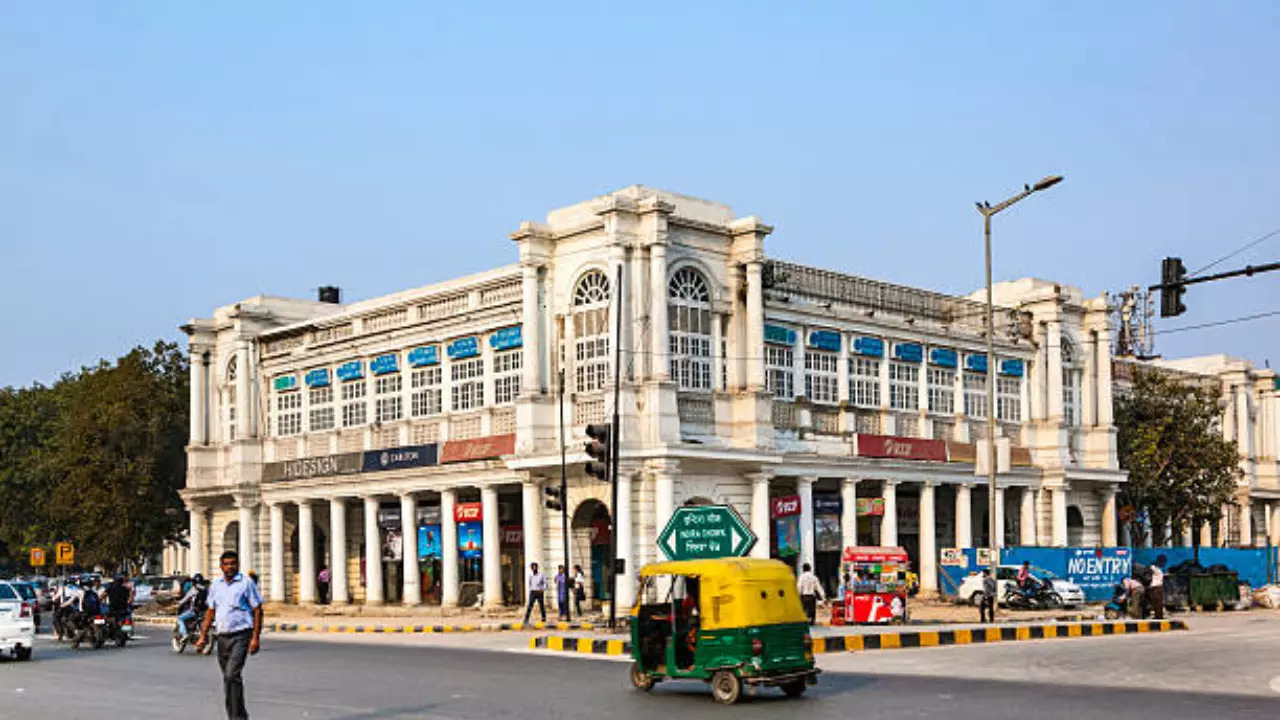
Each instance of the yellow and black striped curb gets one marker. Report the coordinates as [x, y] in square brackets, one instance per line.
[398, 629]
[898, 640]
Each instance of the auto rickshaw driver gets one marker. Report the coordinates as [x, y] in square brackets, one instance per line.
[684, 593]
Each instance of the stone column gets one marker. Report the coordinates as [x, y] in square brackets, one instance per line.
[1275, 523]
[339, 587]
[492, 557]
[660, 359]
[448, 548]
[531, 521]
[412, 584]
[889, 523]
[998, 541]
[755, 326]
[626, 587]
[277, 552]
[1088, 381]
[849, 512]
[928, 540]
[760, 513]
[306, 554]
[1109, 518]
[1027, 518]
[664, 472]
[199, 388]
[246, 415]
[373, 594]
[964, 515]
[1206, 535]
[1105, 410]
[1246, 521]
[1058, 497]
[247, 520]
[530, 331]
[804, 486]
[1053, 370]
[195, 534]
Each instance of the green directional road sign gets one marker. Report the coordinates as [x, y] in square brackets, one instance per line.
[698, 532]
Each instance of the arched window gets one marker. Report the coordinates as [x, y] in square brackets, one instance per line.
[591, 331]
[690, 318]
[229, 397]
[1070, 384]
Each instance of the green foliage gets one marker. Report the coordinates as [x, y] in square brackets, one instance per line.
[1180, 468]
[97, 459]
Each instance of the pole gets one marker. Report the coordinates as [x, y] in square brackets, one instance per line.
[993, 531]
[564, 486]
[613, 456]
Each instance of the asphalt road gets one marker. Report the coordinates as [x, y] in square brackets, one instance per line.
[411, 678]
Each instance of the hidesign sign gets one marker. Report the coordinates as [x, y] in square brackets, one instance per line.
[424, 356]
[318, 377]
[353, 370]
[303, 468]
[900, 448]
[463, 348]
[784, 506]
[384, 364]
[506, 338]
[401, 457]
[468, 512]
[484, 448]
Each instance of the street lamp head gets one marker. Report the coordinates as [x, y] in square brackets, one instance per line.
[1046, 183]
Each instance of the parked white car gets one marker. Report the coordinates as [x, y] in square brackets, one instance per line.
[17, 623]
[970, 590]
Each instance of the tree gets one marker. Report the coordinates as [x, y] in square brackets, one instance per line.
[1181, 470]
[28, 425]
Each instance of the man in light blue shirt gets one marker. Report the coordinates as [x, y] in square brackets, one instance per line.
[235, 608]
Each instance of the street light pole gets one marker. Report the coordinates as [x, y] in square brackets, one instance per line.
[995, 534]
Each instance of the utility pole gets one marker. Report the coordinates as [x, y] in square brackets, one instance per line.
[617, 431]
[564, 488]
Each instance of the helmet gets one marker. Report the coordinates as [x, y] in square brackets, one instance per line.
[197, 578]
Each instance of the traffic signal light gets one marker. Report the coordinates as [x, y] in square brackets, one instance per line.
[554, 499]
[1172, 273]
[598, 448]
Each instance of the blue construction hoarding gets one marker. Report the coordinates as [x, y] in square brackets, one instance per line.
[1095, 570]
[1250, 564]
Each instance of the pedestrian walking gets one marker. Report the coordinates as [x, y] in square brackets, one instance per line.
[235, 608]
[322, 584]
[987, 606]
[537, 592]
[562, 593]
[1155, 594]
[579, 589]
[810, 592]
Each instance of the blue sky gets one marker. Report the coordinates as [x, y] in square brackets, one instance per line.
[161, 159]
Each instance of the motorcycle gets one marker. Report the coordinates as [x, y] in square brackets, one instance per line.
[119, 630]
[89, 629]
[1042, 597]
[178, 642]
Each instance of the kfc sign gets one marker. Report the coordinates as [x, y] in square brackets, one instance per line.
[468, 512]
[785, 506]
[901, 448]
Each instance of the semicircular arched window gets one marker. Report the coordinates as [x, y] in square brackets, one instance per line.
[690, 332]
[591, 331]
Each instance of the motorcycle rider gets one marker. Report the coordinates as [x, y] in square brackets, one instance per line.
[119, 598]
[1026, 583]
[193, 604]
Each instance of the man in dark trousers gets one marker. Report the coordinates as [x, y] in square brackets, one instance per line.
[322, 584]
[537, 592]
[236, 608]
[1155, 592]
[987, 607]
[810, 590]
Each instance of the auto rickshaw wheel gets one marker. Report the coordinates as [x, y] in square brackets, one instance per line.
[726, 687]
[795, 688]
[640, 679]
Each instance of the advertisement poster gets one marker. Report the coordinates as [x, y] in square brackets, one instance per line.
[870, 506]
[392, 545]
[429, 541]
[470, 539]
[954, 557]
[826, 533]
[787, 531]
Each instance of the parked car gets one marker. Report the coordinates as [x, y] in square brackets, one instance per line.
[29, 592]
[17, 623]
[970, 590]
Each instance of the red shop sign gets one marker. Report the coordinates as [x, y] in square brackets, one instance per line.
[901, 448]
[784, 506]
[468, 512]
[512, 535]
[484, 448]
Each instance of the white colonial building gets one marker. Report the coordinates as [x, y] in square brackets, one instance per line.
[829, 409]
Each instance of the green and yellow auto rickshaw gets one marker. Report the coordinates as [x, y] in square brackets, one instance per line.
[729, 622]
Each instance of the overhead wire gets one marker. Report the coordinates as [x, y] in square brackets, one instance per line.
[1217, 323]
[1236, 252]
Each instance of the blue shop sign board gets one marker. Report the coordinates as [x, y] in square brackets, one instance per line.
[423, 356]
[1012, 368]
[779, 335]
[943, 357]
[977, 363]
[463, 348]
[283, 383]
[825, 340]
[318, 377]
[400, 457]
[353, 370]
[869, 346]
[384, 364]
[909, 352]
[506, 338]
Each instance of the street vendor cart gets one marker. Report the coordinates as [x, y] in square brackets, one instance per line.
[878, 587]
